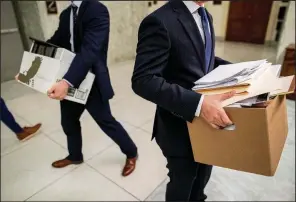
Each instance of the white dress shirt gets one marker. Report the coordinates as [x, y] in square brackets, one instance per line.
[76, 3]
[193, 8]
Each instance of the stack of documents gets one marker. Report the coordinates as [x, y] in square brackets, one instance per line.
[248, 80]
[229, 75]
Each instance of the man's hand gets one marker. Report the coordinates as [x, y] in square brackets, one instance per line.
[213, 112]
[59, 90]
[17, 77]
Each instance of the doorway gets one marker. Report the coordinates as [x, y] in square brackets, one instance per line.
[248, 21]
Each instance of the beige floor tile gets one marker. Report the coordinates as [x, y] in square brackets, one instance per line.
[239, 52]
[36, 108]
[28, 169]
[150, 171]
[12, 89]
[93, 138]
[134, 110]
[93, 143]
[83, 184]
[148, 126]
[9, 141]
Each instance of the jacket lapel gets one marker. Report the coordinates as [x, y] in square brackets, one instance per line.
[82, 9]
[191, 29]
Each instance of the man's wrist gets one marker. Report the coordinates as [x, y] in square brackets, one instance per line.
[67, 82]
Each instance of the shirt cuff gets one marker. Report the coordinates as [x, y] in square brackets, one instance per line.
[70, 84]
[197, 112]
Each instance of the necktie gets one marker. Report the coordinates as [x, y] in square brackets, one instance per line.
[74, 10]
[208, 39]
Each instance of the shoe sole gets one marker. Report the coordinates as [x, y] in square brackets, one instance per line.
[73, 163]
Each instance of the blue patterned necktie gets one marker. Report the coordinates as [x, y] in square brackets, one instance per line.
[208, 39]
[74, 9]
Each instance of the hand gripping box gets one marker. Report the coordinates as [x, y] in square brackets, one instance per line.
[46, 64]
[255, 145]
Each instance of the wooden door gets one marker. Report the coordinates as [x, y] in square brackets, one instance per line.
[248, 20]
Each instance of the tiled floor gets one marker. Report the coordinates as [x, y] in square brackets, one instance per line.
[26, 172]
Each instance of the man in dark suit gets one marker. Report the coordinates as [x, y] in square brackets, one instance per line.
[84, 29]
[175, 48]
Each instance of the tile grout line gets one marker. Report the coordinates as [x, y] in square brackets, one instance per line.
[47, 135]
[156, 188]
[23, 145]
[20, 147]
[100, 152]
[139, 127]
[53, 182]
[54, 141]
[96, 154]
[149, 132]
[97, 171]
[77, 166]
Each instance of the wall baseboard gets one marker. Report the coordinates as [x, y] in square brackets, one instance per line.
[266, 43]
[271, 43]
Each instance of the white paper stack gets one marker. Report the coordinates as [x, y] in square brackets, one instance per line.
[247, 79]
[232, 74]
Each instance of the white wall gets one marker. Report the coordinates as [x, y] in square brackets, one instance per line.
[288, 34]
[49, 22]
[125, 18]
[220, 17]
[270, 33]
[157, 6]
[30, 19]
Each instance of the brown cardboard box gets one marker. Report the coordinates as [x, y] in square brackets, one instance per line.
[254, 146]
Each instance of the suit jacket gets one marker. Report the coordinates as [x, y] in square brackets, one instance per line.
[170, 58]
[91, 38]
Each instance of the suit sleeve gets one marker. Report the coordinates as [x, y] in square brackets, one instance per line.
[148, 78]
[219, 61]
[95, 35]
[56, 38]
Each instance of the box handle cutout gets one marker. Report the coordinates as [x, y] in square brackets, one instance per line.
[231, 127]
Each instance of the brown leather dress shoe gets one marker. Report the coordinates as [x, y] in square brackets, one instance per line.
[130, 166]
[65, 162]
[28, 132]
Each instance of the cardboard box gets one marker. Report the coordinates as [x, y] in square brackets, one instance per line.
[254, 146]
[46, 64]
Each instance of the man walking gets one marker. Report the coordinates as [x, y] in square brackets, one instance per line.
[175, 48]
[84, 29]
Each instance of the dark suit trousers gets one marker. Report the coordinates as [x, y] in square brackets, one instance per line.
[101, 113]
[8, 119]
[188, 179]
